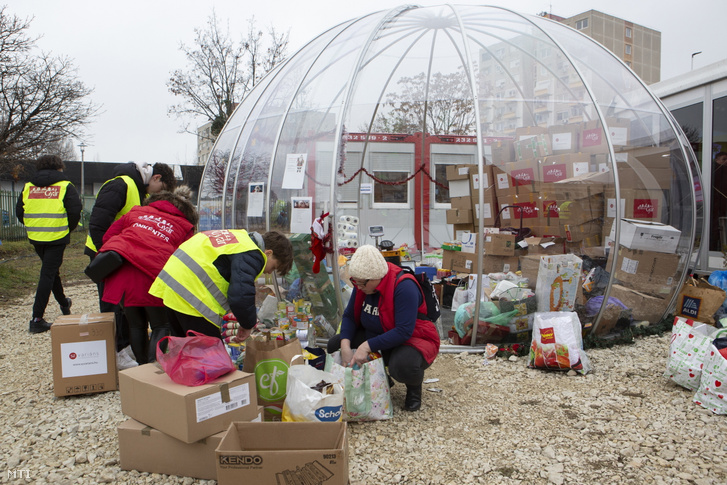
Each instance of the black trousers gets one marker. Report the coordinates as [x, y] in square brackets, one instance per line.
[51, 257]
[406, 364]
[122, 325]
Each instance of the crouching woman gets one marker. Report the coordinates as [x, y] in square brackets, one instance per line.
[387, 314]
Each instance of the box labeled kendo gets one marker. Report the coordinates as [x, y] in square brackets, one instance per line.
[83, 351]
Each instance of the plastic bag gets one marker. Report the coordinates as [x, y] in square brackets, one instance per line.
[492, 327]
[195, 359]
[690, 342]
[719, 279]
[711, 393]
[459, 298]
[305, 403]
[557, 343]
[367, 396]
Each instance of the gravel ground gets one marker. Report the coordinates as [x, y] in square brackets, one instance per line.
[496, 423]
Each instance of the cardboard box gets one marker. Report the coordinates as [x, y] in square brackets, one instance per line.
[461, 262]
[516, 178]
[525, 206]
[499, 244]
[532, 142]
[649, 272]
[83, 349]
[503, 151]
[561, 167]
[538, 246]
[459, 229]
[590, 230]
[488, 184]
[580, 211]
[187, 413]
[459, 216]
[146, 449]
[564, 138]
[645, 205]
[593, 135]
[643, 306]
[283, 453]
[461, 202]
[460, 172]
[649, 236]
[488, 216]
[529, 267]
[459, 188]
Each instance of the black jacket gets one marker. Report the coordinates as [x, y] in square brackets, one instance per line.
[240, 270]
[109, 202]
[71, 201]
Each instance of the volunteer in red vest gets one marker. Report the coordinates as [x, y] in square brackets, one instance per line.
[384, 315]
[50, 208]
[214, 273]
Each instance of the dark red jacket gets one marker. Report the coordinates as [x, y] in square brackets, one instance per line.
[425, 337]
[146, 237]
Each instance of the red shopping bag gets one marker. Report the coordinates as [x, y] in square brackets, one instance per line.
[195, 359]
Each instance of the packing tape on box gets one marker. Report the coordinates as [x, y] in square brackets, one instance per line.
[348, 220]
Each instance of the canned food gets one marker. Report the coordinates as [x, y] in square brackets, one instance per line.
[276, 334]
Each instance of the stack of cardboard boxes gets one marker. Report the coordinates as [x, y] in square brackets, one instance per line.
[556, 182]
[174, 429]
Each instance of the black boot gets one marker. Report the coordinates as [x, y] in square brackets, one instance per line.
[66, 310]
[139, 341]
[157, 334]
[413, 399]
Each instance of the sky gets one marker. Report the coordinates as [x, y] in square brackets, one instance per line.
[125, 51]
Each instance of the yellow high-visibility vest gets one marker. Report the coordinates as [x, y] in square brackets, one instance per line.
[190, 283]
[45, 216]
[132, 199]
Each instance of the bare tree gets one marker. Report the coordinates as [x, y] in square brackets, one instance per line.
[41, 100]
[449, 109]
[220, 72]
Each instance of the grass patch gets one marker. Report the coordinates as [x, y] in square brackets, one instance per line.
[20, 267]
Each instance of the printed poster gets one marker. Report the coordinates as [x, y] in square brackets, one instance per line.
[301, 218]
[294, 170]
[256, 199]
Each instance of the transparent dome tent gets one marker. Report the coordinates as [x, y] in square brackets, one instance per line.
[374, 120]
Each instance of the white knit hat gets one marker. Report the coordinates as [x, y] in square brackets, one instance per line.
[146, 170]
[367, 263]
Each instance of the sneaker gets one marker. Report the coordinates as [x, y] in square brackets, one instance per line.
[66, 310]
[38, 325]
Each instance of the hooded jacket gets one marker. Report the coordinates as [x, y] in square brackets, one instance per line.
[145, 236]
[110, 200]
[71, 201]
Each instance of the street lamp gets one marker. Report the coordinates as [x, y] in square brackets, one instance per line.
[694, 54]
[82, 146]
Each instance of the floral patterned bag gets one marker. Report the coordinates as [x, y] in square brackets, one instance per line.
[366, 393]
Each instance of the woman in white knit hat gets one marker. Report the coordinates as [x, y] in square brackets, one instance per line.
[387, 314]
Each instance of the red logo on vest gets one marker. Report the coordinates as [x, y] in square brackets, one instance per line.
[52, 192]
[221, 237]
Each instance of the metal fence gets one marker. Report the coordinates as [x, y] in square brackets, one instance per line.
[12, 230]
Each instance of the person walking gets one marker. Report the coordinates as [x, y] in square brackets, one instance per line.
[386, 314]
[214, 273]
[130, 184]
[50, 208]
[146, 237]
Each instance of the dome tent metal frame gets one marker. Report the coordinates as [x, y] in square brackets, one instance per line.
[309, 68]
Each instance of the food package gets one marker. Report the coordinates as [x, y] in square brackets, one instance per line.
[557, 343]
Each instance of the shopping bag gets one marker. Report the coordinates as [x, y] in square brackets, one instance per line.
[270, 360]
[102, 265]
[557, 343]
[195, 359]
[699, 300]
[312, 395]
[460, 297]
[366, 393]
[558, 281]
[690, 342]
[711, 393]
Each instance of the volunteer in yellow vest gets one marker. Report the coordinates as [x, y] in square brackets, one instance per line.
[50, 208]
[129, 186]
[213, 273]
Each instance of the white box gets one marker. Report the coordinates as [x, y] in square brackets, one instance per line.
[649, 236]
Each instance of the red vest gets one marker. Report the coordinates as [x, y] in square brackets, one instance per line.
[425, 337]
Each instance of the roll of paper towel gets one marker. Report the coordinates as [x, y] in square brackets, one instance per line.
[348, 220]
[346, 227]
[347, 243]
[349, 236]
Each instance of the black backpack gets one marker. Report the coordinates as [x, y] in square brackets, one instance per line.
[430, 296]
